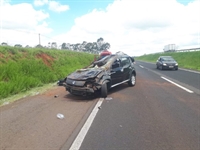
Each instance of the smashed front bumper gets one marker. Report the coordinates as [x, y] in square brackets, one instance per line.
[82, 91]
[82, 88]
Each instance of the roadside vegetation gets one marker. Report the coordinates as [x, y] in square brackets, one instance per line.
[22, 69]
[187, 60]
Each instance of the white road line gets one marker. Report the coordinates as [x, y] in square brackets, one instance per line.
[79, 139]
[177, 85]
[141, 66]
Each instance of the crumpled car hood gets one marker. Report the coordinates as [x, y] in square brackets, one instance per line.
[83, 74]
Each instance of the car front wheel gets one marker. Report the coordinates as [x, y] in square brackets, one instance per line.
[104, 90]
[132, 80]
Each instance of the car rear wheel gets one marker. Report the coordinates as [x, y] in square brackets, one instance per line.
[132, 80]
[104, 90]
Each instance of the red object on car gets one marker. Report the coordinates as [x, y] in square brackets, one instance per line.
[105, 53]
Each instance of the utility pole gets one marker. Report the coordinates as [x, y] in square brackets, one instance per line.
[39, 38]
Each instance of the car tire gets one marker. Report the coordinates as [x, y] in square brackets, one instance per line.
[104, 90]
[132, 80]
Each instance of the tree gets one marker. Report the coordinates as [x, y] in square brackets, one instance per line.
[27, 46]
[39, 46]
[18, 45]
[77, 46]
[63, 46]
[4, 44]
[49, 45]
[71, 47]
[95, 45]
[100, 42]
[105, 46]
[54, 45]
[88, 47]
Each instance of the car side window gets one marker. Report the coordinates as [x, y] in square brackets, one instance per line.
[116, 64]
[125, 61]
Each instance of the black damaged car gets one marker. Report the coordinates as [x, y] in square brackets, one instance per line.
[101, 75]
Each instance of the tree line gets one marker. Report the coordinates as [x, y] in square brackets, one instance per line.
[90, 47]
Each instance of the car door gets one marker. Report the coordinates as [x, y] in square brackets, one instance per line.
[116, 72]
[126, 67]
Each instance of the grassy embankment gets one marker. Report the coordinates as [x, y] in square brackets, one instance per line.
[188, 60]
[23, 69]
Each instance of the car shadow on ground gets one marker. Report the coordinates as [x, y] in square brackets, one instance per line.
[118, 88]
[163, 69]
[96, 95]
[82, 98]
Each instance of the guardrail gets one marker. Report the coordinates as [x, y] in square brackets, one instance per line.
[188, 50]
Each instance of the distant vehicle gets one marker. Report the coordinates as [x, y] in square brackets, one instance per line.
[170, 48]
[166, 62]
[110, 71]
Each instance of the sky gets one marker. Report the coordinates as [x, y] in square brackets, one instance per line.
[135, 27]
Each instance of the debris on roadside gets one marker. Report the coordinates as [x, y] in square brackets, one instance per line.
[56, 96]
[60, 116]
[108, 98]
[6, 103]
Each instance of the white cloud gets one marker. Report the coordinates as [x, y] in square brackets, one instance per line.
[21, 23]
[57, 7]
[53, 5]
[139, 27]
[40, 2]
[133, 26]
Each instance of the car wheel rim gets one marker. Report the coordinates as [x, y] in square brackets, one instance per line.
[133, 80]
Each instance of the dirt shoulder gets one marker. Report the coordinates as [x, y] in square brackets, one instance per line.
[32, 122]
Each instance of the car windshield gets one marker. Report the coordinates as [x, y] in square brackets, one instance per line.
[167, 59]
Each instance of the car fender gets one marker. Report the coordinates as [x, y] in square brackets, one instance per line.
[107, 80]
[132, 72]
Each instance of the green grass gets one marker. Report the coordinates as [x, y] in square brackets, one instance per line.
[188, 60]
[23, 69]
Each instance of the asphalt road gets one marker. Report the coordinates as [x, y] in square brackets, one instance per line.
[31, 123]
[153, 115]
[188, 78]
[161, 112]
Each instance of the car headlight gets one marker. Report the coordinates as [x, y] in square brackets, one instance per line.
[176, 64]
[164, 64]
